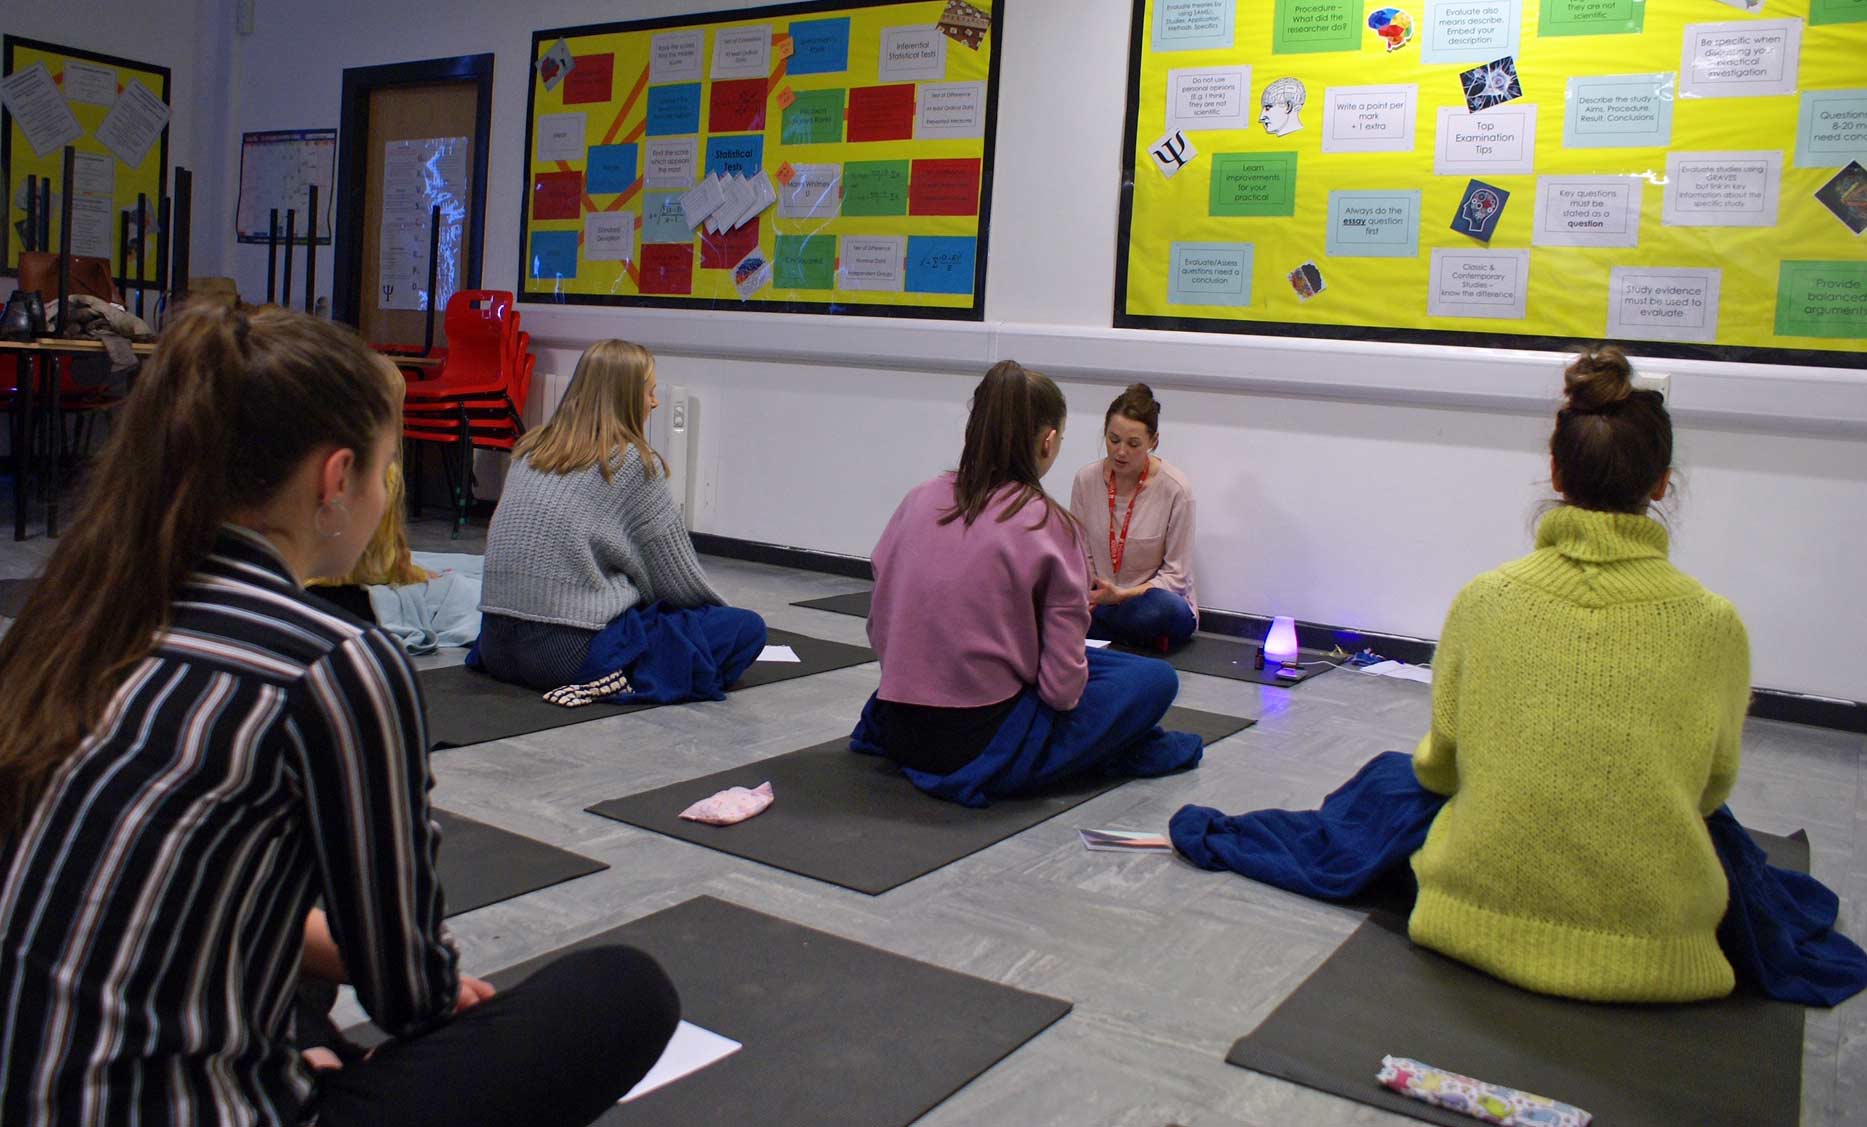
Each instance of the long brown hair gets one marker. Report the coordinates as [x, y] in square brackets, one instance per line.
[1011, 408]
[1612, 442]
[218, 421]
[386, 559]
[604, 409]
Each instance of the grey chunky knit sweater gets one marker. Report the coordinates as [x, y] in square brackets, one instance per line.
[576, 550]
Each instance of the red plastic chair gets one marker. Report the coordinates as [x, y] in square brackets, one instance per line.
[478, 400]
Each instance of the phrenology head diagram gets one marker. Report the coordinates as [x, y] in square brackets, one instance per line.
[1283, 101]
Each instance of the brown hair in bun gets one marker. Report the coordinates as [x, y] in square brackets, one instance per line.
[1612, 442]
[1137, 403]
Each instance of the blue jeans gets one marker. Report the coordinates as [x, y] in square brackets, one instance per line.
[1113, 730]
[1145, 619]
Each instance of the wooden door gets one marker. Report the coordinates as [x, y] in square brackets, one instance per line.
[432, 127]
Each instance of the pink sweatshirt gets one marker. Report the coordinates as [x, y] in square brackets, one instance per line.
[965, 616]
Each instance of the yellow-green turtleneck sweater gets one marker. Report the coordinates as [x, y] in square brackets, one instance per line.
[1587, 705]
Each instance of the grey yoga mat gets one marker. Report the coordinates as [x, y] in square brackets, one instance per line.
[1735, 1061]
[854, 820]
[835, 1033]
[481, 864]
[465, 707]
[1231, 658]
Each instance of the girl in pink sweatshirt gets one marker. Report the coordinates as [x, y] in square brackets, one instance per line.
[980, 611]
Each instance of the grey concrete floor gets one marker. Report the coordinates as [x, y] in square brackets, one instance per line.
[1166, 964]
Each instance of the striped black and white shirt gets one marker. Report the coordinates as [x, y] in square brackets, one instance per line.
[270, 752]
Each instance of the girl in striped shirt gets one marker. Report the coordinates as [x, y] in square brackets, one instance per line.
[194, 752]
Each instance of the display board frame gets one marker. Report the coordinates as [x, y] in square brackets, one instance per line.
[933, 304]
[152, 183]
[1130, 314]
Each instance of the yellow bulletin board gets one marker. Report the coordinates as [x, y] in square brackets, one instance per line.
[1684, 177]
[111, 110]
[817, 157]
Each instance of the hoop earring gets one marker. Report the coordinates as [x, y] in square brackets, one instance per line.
[317, 521]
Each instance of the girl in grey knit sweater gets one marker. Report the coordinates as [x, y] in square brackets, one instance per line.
[587, 533]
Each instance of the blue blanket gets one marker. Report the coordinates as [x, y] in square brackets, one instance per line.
[672, 654]
[1114, 730]
[1778, 931]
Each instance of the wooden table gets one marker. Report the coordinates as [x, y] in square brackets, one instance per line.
[36, 368]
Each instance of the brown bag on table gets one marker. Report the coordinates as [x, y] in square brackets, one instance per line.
[38, 270]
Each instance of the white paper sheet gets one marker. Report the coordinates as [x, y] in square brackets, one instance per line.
[417, 176]
[609, 236]
[739, 196]
[1402, 670]
[742, 52]
[763, 196]
[669, 162]
[1500, 141]
[1748, 59]
[93, 205]
[871, 262]
[44, 116]
[89, 83]
[133, 124]
[1124, 841]
[779, 653]
[1663, 303]
[1722, 189]
[1587, 211]
[1096, 643]
[1209, 98]
[689, 1050]
[1369, 119]
[911, 54]
[702, 200]
[561, 137]
[949, 110]
[815, 192]
[677, 56]
[1478, 283]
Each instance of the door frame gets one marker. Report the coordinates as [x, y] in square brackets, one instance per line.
[353, 158]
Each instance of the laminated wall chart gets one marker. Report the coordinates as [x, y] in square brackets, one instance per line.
[811, 157]
[1684, 176]
[115, 113]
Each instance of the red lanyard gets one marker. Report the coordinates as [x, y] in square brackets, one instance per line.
[1119, 548]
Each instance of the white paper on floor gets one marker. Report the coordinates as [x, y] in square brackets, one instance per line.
[1095, 643]
[1402, 670]
[779, 653]
[689, 1050]
[1125, 841]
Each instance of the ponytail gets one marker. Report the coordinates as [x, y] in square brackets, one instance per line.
[218, 420]
[1011, 408]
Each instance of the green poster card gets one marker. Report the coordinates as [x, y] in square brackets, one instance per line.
[1254, 184]
[815, 118]
[1302, 27]
[875, 187]
[804, 262]
[1837, 11]
[1821, 299]
[1591, 17]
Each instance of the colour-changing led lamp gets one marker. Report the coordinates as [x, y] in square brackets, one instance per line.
[1280, 645]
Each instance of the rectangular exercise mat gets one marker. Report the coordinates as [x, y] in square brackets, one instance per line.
[853, 603]
[13, 596]
[467, 707]
[1211, 654]
[1734, 1061]
[835, 1033]
[481, 864]
[855, 820]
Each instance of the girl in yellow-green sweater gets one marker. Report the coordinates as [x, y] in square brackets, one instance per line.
[1587, 705]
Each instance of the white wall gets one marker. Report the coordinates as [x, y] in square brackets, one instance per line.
[1352, 484]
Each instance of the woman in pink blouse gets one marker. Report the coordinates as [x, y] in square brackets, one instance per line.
[1137, 515]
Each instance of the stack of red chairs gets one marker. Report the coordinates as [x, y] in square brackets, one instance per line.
[477, 400]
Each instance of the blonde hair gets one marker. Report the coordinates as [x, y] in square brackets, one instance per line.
[604, 410]
[387, 559]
